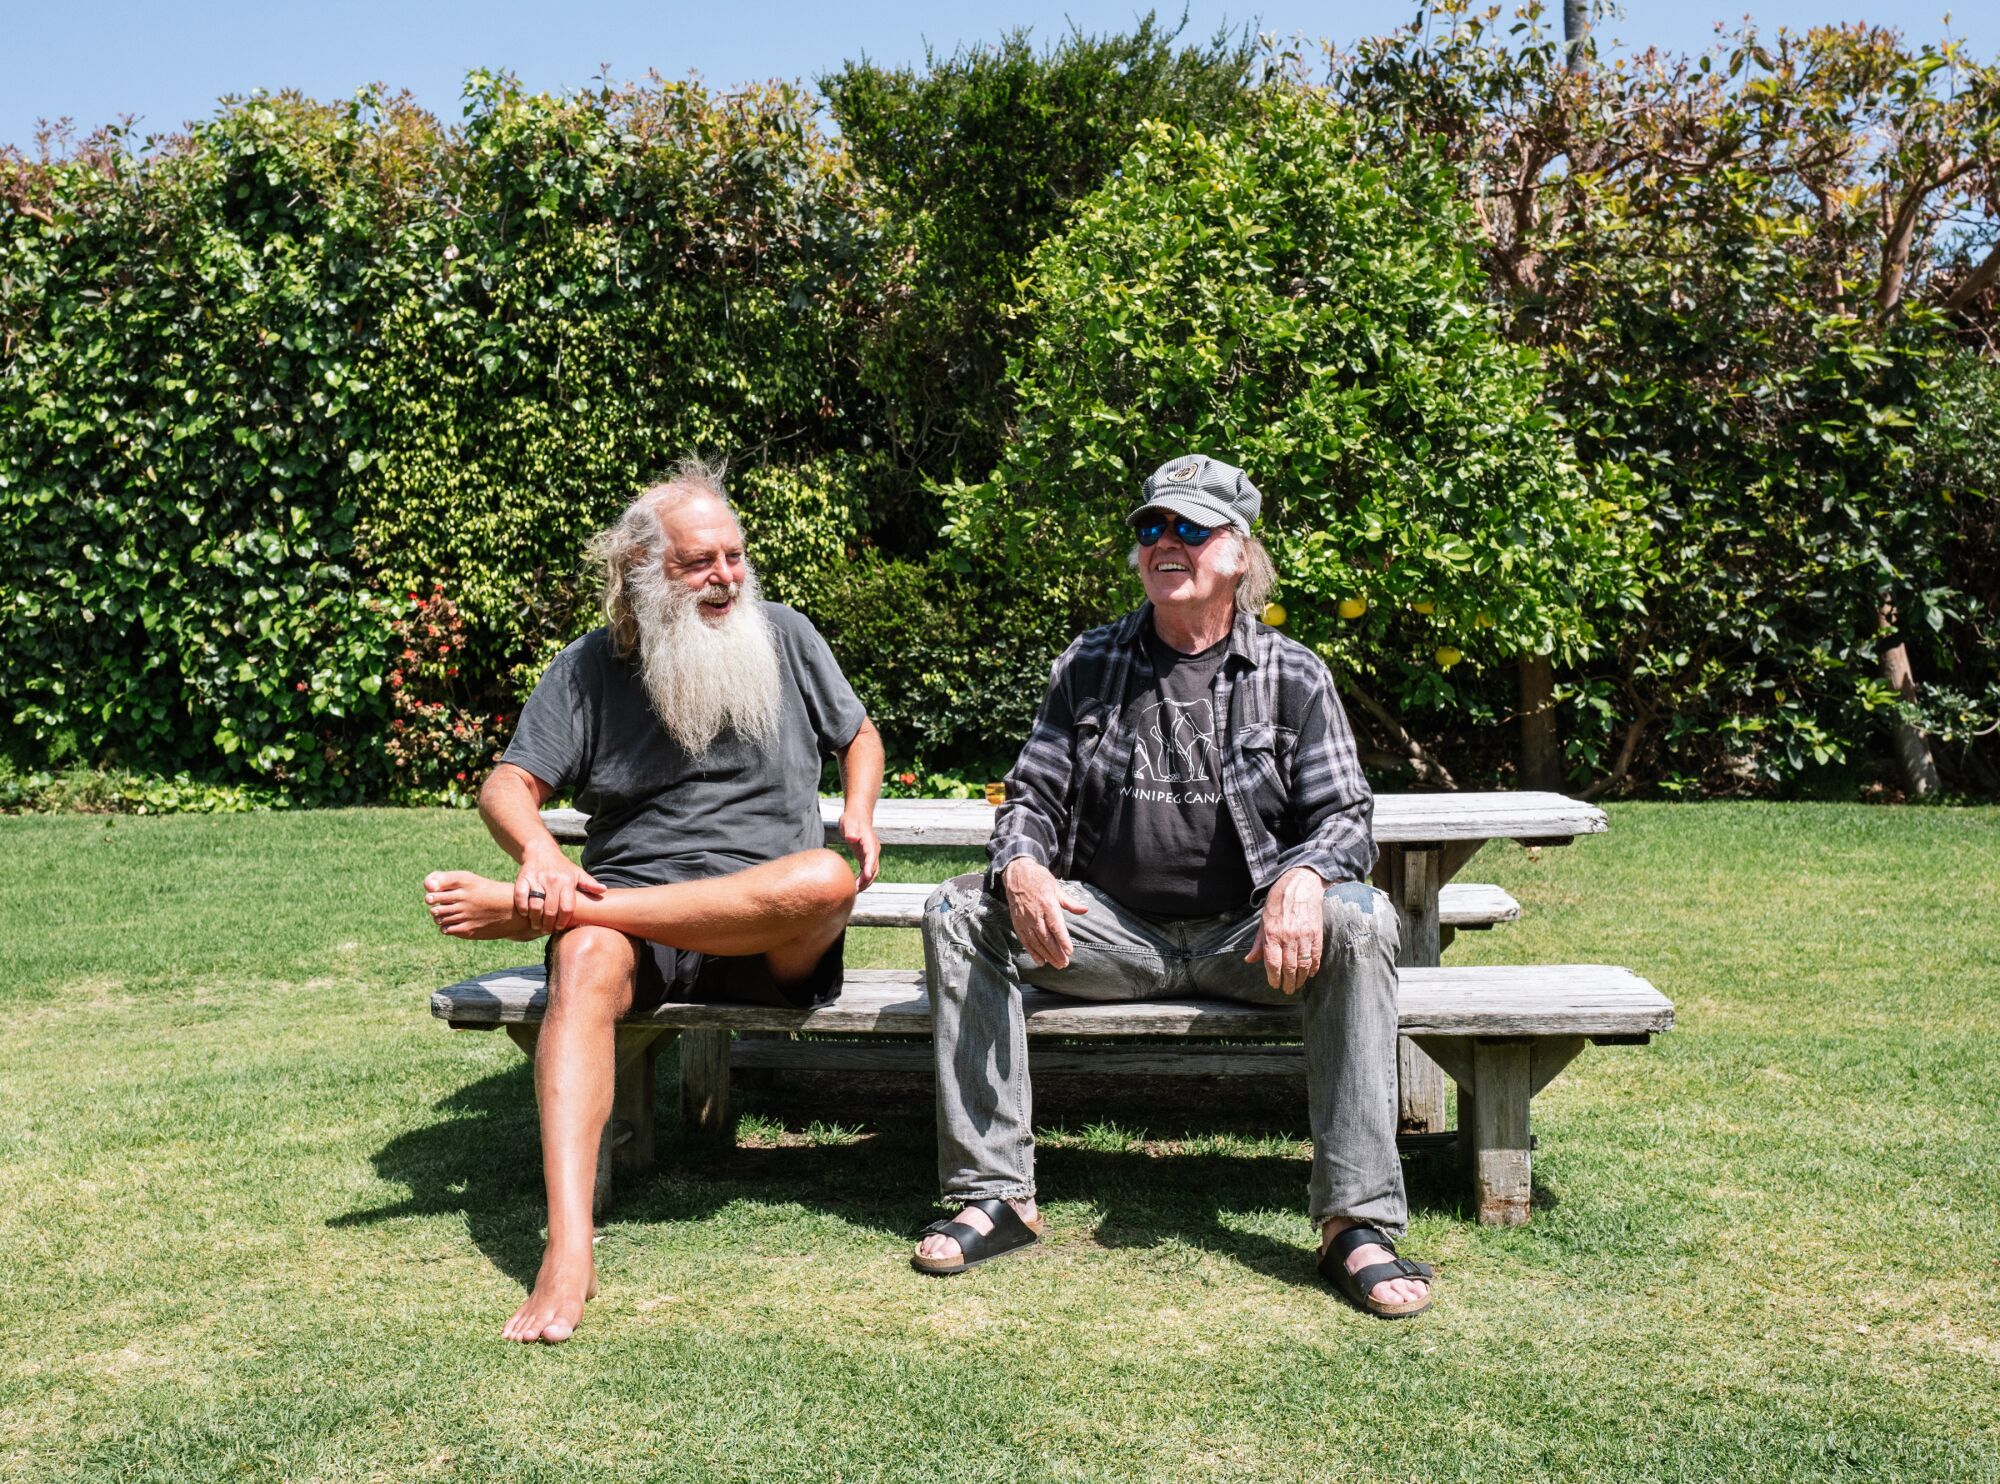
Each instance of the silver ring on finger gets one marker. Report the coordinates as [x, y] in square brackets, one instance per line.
[536, 894]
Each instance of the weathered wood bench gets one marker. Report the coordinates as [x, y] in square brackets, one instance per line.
[1501, 1034]
[1424, 840]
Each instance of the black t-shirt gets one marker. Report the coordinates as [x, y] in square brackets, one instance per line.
[657, 815]
[1170, 848]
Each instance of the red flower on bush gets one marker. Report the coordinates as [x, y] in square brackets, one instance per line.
[439, 734]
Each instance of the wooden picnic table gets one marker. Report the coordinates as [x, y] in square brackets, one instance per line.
[1424, 841]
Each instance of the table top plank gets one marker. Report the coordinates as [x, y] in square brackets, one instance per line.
[1400, 819]
[1460, 904]
[1488, 1000]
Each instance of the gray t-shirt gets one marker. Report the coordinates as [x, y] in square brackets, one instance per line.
[1170, 848]
[657, 815]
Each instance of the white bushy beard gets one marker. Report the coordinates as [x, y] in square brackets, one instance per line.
[703, 676]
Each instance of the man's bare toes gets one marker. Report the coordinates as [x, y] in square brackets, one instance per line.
[516, 1328]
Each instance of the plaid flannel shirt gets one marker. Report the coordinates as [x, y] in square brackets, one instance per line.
[1290, 771]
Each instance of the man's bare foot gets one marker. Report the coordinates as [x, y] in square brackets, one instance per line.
[1389, 1290]
[466, 905]
[939, 1248]
[551, 1312]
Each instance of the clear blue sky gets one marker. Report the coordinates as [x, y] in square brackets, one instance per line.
[167, 61]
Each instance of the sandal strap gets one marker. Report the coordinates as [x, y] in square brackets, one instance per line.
[1358, 1236]
[1366, 1278]
[1009, 1230]
[1007, 1222]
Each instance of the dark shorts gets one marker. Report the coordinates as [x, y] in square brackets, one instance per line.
[686, 976]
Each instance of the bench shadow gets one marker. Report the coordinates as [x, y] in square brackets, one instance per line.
[477, 1159]
[480, 1160]
[860, 1148]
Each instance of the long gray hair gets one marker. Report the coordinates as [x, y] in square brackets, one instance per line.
[1260, 574]
[638, 538]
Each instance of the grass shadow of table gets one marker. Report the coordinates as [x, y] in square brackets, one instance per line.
[862, 1150]
[479, 1159]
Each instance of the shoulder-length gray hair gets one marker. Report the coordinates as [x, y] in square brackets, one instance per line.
[638, 537]
[1260, 574]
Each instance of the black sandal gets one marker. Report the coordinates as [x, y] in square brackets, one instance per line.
[1010, 1234]
[1356, 1287]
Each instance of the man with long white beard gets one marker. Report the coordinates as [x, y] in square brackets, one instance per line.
[692, 728]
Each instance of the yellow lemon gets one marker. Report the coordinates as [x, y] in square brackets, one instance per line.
[1353, 607]
[1483, 621]
[1274, 615]
[1447, 657]
[1423, 605]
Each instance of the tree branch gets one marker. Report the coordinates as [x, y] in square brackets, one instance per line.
[1977, 281]
[1427, 768]
[1622, 764]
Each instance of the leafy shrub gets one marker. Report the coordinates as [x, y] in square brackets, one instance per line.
[970, 163]
[176, 554]
[258, 382]
[1731, 313]
[943, 675]
[1276, 298]
[95, 791]
[440, 742]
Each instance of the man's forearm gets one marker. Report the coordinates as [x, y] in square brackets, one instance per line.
[861, 770]
[511, 805]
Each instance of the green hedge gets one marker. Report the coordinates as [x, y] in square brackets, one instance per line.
[304, 416]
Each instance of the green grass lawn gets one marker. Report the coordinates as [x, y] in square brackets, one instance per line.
[261, 1216]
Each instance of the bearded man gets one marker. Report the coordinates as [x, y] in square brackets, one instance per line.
[1188, 817]
[692, 728]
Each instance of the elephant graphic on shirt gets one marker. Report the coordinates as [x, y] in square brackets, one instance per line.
[1176, 743]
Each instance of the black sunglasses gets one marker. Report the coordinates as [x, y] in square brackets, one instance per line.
[1189, 534]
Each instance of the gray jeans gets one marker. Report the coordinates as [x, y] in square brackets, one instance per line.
[976, 967]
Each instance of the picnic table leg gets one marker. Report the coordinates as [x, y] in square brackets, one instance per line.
[1412, 875]
[628, 1145]
[634, 1103]
[705, 1081]
[1496, 1078]
[1501, 1173]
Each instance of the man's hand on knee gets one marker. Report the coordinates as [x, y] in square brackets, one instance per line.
[1292, 935]
[1036, 903]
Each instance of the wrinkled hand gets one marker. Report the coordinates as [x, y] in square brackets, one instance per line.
[558, 879]
[1292, 935]
[859, 833]
[1036, 902]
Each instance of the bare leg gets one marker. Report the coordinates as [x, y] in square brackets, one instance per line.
[590, 987]
[789, 909]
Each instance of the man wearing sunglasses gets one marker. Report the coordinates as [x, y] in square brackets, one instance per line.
[1187, 819]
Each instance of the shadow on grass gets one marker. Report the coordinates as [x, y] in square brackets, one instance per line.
[876, 1173]
[479, 1159]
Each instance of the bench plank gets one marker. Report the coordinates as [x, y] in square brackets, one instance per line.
[1095, 1059]
[901, 904]
[1399, 819]
[1512, 1000]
